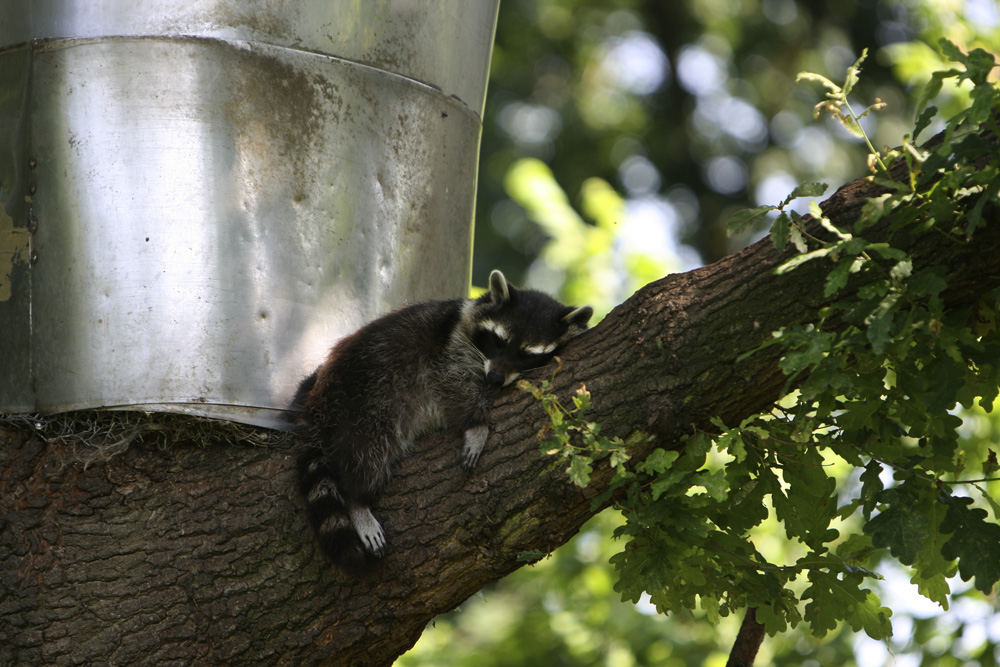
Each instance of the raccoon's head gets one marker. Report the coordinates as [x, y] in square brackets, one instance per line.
[518, 330]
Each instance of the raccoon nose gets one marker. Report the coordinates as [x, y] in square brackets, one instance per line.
[495, 378]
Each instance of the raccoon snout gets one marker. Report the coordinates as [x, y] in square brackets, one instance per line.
[496, 375]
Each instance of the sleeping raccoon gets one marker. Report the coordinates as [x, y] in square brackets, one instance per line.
[423, 367]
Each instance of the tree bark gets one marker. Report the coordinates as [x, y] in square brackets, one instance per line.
[201, 554]
[747, 642]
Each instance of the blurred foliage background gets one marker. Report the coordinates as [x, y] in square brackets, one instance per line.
[619, 137]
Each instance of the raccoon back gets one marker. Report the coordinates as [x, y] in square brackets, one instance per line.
[395, 378]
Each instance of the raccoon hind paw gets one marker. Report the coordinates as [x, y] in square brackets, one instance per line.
[368, 529]
[341, 543]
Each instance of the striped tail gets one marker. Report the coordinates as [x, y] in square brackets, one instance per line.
[328, 515]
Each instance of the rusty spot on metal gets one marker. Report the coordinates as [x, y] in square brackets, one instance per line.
[14, 245]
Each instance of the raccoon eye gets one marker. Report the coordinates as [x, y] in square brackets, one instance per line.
[488, 342]
[537, 352]
[528, 357]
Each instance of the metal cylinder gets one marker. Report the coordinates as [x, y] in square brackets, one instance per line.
[197, 198]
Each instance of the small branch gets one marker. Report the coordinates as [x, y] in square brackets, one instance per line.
[748, 641]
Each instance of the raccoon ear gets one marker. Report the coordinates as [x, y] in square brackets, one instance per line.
[499, 290]
[578, 317]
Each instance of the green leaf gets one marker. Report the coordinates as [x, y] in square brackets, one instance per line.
[856, 548]
[732, 441]
[747, 218]
[899, 530]
[778, 614]
[871, 616]
[931, 570]
[975, 216]
[619, 457]
[664, 483]
[711, 608]
[658, 461]
[934, 587]
[950, 51]
[990, 465]
[580, 469]
[926, 282]
[795, 233]
[880, 322]
[975, 542]
[810, 351]
[887, 251]
[932, 88]
[799, 260]
[923, 120]
[850, 124]
[806, 190]
[745, 507]
[837, 278]
[900, 526]
[817, 213]
[715, 484]
[871, 486]
[820, 79]
[779, 231]
[978, 63]
[874, 210]
[853, 73]
[808, 504]
[835, 599]
[641, 567]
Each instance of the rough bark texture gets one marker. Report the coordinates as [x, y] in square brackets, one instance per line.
[202, 555]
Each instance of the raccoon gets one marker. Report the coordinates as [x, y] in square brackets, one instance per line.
[428, 366]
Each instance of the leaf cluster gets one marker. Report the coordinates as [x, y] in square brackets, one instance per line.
[575, 440]
[875, 386]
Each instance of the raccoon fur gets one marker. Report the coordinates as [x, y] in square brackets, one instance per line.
[428, 366]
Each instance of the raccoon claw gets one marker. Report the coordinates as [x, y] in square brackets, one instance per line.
[469, 459]
[368, 529]
[375, 543]
[475, 440]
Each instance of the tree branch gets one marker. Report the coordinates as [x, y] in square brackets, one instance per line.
[202, 553]
[747, 642]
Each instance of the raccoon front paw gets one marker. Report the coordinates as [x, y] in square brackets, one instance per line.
[368, 529]
[469, 459]
[475, 440]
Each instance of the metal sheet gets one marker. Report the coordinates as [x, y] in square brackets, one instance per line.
[208, 216]
[15, 249]
[444, 43]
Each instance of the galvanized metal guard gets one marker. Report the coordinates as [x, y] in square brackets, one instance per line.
[198, 197]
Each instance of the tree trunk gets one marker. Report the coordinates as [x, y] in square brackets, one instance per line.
[201, 554]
